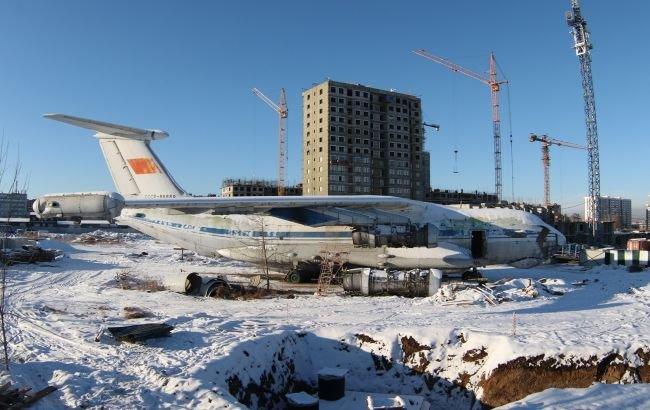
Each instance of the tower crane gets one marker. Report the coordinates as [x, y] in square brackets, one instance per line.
[546, 142]
[495, 85]
[283, 112]
[583, 46]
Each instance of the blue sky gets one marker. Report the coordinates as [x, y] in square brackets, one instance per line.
[187, 68]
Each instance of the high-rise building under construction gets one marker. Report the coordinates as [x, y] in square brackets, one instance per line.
[359, 140]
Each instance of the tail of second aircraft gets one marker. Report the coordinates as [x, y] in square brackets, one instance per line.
[135, 168]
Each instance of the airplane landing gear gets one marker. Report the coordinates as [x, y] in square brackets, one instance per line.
[294, 276]
[472, 274]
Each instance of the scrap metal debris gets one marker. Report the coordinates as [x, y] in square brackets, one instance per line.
[503, 290]
[101, 237]
[219, 286]
[18, 397]
[20, 250]
[138, 333]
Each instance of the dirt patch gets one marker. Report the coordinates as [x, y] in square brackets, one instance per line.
[413, 353]
[410, 346]
[129, 281]
[463, 379]
[132, 312]
[644, 371]
[518, 378]
[475, 355]
[240, 292]
[50, 309]
[364, 339]
[643, 355]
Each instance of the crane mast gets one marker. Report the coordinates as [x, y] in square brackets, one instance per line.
[583, 46]
[495, 85]
[496, 125]
[546, 142]
[283, 113]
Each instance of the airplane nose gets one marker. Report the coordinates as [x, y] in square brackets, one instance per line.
[36, 206]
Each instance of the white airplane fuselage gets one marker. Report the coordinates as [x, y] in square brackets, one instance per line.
[369, 231]
[508, 237]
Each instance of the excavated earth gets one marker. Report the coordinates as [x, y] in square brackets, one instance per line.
[411, 367]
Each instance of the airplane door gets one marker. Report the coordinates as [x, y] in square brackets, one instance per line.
[432, 235]
[479, 244]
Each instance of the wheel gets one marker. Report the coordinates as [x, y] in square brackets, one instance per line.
[294, 277]
[472, 275]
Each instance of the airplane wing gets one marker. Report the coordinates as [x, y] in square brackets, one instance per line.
[109, 129]
[308, 210]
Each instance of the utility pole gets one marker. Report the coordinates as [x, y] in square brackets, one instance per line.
[583, 46]
[495, 85]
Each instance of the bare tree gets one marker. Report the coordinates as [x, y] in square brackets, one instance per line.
[14, 187]
[258, 238]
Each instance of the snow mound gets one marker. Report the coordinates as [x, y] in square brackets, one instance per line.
[596, 396]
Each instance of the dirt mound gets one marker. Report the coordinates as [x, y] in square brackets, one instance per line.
[520, 377]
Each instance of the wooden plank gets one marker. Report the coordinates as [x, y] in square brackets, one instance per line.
[28, 400]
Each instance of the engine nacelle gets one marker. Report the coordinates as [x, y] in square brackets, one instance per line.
[79, 205]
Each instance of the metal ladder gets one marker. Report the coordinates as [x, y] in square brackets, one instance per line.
[329, 268]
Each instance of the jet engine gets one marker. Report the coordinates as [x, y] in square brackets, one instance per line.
[79, 205]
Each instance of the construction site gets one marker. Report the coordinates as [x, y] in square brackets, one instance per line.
[361, 247]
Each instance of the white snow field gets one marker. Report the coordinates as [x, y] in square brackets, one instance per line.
[236, 353]
[597, 396]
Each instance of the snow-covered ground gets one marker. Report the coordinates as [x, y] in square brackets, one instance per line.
[597, 396]
[224, 348]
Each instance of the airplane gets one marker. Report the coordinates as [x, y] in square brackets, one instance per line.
[297, 232]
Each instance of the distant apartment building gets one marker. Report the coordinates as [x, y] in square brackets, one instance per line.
[448, 197]
[359, 140]
[13, 205]
[616, 210]
[255, 187]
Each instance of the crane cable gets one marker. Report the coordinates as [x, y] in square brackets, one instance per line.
[512, 160]
[454, 107]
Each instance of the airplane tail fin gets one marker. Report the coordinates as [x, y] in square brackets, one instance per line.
[135, 168]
